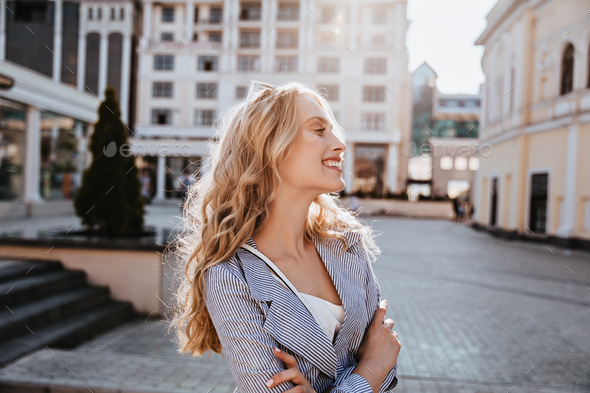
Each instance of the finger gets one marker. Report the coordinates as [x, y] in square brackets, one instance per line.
[389, 323]
[380, 313]
[289, 360]
[290, 374]
[297, 389]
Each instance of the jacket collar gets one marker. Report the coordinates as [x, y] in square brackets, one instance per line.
[289, 321]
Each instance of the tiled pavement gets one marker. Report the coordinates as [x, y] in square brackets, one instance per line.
[474, 314]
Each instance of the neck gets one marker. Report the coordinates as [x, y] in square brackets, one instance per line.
[283, 235]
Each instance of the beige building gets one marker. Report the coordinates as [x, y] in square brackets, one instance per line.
[197, 58]
[536, 115]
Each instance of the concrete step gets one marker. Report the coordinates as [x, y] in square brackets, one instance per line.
[24, 290]
[68, 332]
[12, 269]
[17, 320]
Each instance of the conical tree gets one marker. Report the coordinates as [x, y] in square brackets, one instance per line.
[109, 199]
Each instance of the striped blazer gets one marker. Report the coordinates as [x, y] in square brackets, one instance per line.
[252, 313]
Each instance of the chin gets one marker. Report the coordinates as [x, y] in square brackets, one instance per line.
[337, 186]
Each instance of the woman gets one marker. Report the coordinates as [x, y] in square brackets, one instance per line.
[273, 262]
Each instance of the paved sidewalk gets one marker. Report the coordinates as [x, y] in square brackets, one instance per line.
[474, 314]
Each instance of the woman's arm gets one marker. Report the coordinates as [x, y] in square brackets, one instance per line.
[373, 300]
[238, 320]
[389, 380]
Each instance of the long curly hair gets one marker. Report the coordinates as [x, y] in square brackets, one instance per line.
[226, 205]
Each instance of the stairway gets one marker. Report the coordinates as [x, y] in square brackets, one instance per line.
[43, 304]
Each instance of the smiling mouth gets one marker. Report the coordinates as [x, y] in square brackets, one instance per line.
[333, 164]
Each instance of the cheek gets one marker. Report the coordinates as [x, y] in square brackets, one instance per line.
[305, 157]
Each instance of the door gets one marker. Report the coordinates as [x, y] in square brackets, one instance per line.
[538, 203]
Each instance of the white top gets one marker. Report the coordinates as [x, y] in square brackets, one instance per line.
[331, 315]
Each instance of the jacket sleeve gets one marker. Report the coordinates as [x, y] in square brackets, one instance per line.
[373, 299]
[238, 321]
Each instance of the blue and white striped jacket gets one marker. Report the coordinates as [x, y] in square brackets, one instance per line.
[252, 313]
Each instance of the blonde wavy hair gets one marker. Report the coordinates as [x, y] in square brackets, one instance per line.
[230, 201]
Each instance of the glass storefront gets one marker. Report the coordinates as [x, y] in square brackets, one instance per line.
[61, 161]
[369, 162]
[12, 149]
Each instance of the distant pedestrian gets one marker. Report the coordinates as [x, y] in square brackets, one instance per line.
[184, 182]
[354, 203]
[460, 212]
[455, 209]
[146, 186]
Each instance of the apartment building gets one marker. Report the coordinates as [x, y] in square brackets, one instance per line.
[197, 58]
[535, 114]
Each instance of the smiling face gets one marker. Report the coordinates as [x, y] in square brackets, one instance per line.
[315, 148]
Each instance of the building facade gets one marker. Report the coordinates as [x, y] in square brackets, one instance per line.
[56, 58]
[536, 116]
[443, 156]
[197, 58]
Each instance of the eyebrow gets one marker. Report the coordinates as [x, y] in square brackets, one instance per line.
[320, 118]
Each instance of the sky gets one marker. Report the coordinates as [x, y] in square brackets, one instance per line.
[442, 33]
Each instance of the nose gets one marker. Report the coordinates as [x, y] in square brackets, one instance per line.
[337, 145]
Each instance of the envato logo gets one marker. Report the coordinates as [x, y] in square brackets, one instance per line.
[150, 149]
[444, 150]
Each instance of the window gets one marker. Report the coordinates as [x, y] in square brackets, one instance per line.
[161, 116]
[378, 39]
[375, 66]
[162, 89]
[241, 92]
[446, 163]
[163, 62]
[288, 11]
[122, 13]
[167, 14]
[167, 37]
[331, 92]
[214, 37]
[373, 93]
[460, 163]
[473, 163]
[329, 64]
[99, 13]
[286, 64]
[328, 14]
[457, 187]
[379, 16]
[195, 37]
[373, 121]
[204, 117]
[249, 39]
[207, 90]
[250, 11]
[113, 14]
[90, 13]
[196, 14]
[248, 63]
[567, 70]
[207, 63]
[287, 39]
[216, 15]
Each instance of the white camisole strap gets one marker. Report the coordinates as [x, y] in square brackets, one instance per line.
[327, 318]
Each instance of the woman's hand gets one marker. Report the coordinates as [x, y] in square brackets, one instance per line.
[292, 374]
[380, 345]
